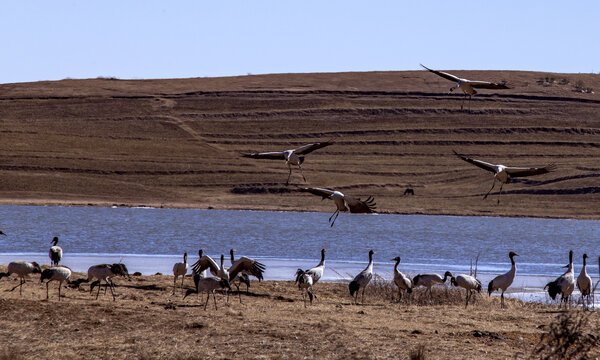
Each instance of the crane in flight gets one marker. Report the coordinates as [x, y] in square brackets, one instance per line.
[343, 202]
[505, 174]
[291, 157]
[467, 86]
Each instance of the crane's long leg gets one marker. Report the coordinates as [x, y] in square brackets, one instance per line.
[500, 192]
[502, 300]
[174, 283]
[59, 286]
[302, 173]
[492, 188]
[47, 295]
[289, 175]
[337, 213]
[215, 299]
[112, 292]
[182, 278]
[207, 299]
[99, 286]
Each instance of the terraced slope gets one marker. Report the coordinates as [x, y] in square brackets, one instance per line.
[177, 142]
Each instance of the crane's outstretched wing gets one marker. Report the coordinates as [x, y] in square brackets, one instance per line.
[308, 148]
[487, 85]
[205, 262]
[247, 265]
[521, 172]
[442, 74]
[274, 155]
[478, 163]
[359, 206]
[324, 193]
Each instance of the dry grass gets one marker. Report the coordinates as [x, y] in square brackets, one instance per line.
[147, 322]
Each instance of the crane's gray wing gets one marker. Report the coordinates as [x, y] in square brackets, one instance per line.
[359, 206]
[487, 85]
[478, 163]
[274, 155]
[247, 265]
[205, 262]
[308, 148]
[442, 74]
[520, 172]
[324, 193]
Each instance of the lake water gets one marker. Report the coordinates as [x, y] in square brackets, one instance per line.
[150, 240]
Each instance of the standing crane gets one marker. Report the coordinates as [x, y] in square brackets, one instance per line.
[584, 283]
[307, 278]
[343, 202]
[292, 157]
[55, 252]
[467, 86]
[361, 280]
[180, 269]
[467, 282]
[505, 280]
[402, 281]
[564, 284]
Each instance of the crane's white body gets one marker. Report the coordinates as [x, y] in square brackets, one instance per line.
[403, 282]
[505, 174]
[180, 269]
[55, 253]
[292, 157]
[467, 282]
[361, 280]
[22, 269]
[102, 272]
[307, 278]
[502, 282]
[564, 284]
[209, 285]
[59, 273]
[343, 202]
[430, 280]
[584, 282]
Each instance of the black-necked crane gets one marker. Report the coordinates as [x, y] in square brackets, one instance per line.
[55, 252]
[307, 278]
[467, 282]
[2, 233]
[209, 285]
[22, 269]
[251, 266]
[584, 283]
[244, 276]
[403, 282]
[292, 157]
[502, 282]
[180, 269]
[361, 280]
[505, 174]
[105, 272]
[343, 202]
[564, 284]
[58, 273]
[467, 86]
[429, 280]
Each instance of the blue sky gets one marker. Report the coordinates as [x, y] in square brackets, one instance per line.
[51, 40]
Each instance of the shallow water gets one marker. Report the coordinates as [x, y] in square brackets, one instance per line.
[151, 240]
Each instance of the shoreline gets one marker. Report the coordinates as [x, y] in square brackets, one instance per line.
[275, 209]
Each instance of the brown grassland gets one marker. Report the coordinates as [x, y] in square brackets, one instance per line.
[177, 142]
[148, 322]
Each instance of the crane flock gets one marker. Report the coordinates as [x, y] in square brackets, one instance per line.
[244, 267]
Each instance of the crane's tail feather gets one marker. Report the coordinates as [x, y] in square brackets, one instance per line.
[491, 288]
[354, 286]
[553, 289]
